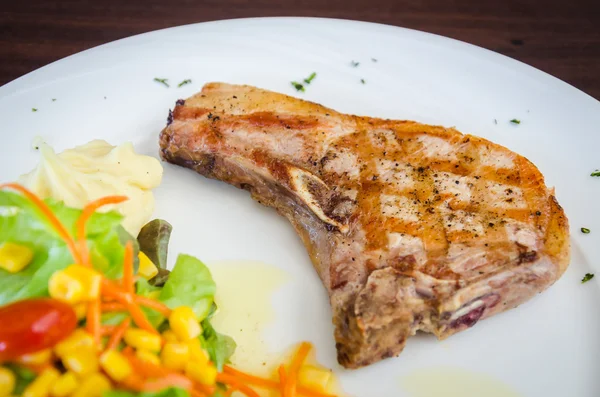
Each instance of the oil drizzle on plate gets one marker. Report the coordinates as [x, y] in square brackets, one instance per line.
[244, 296]
[453, 382]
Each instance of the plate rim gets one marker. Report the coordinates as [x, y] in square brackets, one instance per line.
[521, 67]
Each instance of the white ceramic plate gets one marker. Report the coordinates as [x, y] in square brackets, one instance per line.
[547, 347]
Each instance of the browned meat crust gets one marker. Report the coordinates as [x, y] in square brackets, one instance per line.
[410, 226]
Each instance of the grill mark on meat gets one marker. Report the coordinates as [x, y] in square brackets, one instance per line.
[270, 120]
[350, 166]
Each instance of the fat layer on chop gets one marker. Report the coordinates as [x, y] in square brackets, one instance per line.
[409, 226]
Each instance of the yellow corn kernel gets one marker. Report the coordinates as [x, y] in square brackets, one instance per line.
[205, 373]
[38, 358]
[175, 355]
[115, 365]
[75, 284]
[93, 386]
[80, 310]
[142, 339]
[82, 361]
[65, 288]
[77, 340]
[65, 385]
[169, 336]
[7, 382]
[14, 257]
[314, 377]
[148, 356]
[147, 269]
[40, 387]
[184, 323]
[197, 353]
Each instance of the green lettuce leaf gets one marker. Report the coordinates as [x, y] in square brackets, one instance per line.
[219, 347]
[23, 377]
[22, 223]
[191, 284]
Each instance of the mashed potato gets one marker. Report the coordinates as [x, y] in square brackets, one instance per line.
[97, 169]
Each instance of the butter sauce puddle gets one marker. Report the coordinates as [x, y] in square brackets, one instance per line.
[453, 382]
[244, 296]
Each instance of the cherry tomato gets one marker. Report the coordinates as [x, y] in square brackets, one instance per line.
[31, 325]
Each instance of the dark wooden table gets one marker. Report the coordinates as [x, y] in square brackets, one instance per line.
[561, 37]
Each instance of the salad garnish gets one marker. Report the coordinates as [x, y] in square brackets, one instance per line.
[298, 86]
[162, 81]
[88, 310]
[310, 78]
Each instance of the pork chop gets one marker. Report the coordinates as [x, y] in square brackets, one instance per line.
[411, 227]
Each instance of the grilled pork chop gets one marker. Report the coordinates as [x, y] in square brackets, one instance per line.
[411, 227]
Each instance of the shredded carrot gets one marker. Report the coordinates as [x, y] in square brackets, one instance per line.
[81, 222]
[106, 330]
[93, 319]
[169, 380]
[127, 350]
[231, 380]
[128, 283]
[270, 384]
[205, 389]
[138, 316]
[290, 386]
[255, 380]
[196, 393]
[230, 391]
[282, 379]
[153, 304]
[111, 290]
[113, 307]
[133, 382]
[140, 319]
[146, 369]
[118, 333]
[305, 391]
[43, 207]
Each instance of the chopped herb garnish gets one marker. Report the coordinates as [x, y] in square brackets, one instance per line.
[53, 99]
[515, 121]
[373, 60]
[363, 81]
[595, 173]
[354, 64]
[298, 86]
[184, 82]
[587, 277]
[33, 109]
[162, 81]
[585, 230]
[310, 78]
